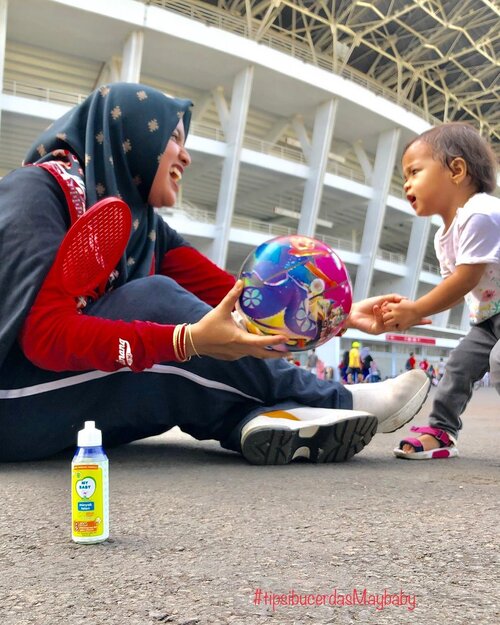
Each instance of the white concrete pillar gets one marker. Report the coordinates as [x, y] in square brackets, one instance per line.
[222, 109]
[203, 104]
[111, 72]
[330, 355]
[277, 130]
[235, 133]
[415, 256]
[3, 39]
[364, 161]
[382, 175]
[302, 136]
[440, 320]
[394, 368]
[132, 57]
[320, 148]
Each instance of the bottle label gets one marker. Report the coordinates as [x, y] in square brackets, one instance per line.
[87, 496]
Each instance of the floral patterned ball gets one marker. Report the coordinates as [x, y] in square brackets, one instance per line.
[297, 286]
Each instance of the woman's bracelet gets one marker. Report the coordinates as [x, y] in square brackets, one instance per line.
[190, 337]
[179, 343]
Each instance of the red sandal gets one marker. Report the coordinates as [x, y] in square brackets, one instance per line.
[447, 445]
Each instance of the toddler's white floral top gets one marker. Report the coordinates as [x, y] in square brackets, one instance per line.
[472, 238]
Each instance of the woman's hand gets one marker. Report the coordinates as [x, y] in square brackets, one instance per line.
[217, 335]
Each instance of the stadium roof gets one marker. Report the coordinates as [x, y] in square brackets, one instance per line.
[441, 56]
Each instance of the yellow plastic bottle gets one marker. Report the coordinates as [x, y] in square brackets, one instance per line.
[89, 488]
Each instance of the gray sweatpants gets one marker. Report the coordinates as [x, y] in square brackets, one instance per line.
[477, 353]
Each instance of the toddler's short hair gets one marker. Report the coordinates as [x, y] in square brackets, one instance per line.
[461, 140]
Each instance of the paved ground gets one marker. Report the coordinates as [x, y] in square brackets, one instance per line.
[199, 536]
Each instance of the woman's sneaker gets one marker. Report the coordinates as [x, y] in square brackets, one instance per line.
[395, 401]
[311, 434]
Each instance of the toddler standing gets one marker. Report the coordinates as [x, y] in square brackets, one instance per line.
[450, 171]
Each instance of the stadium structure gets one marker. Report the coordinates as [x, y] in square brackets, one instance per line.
[301, 113]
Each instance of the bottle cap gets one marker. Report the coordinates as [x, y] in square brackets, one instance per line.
[90, 436]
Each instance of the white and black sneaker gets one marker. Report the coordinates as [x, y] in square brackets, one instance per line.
[312, 434]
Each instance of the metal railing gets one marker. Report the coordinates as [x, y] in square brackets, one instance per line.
[345, 245]
[281, 151]
[262, 227]
[431, 268]
[345, 172]
[281, 41]
[400, 259]
[46, 94]
[189, 211]
[397, 190]
[392, 257]
[207, 131]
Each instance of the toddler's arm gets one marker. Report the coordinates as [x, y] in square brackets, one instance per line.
[406, 313]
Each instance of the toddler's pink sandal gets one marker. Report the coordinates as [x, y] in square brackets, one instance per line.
[447, 449]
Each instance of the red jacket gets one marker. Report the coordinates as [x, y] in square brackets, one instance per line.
[56, 335]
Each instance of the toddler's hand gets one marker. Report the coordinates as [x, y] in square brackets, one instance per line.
[402, 315]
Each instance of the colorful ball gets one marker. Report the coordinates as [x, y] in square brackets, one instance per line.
[296, 286]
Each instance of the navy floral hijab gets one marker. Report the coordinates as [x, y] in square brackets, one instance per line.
[117, 136]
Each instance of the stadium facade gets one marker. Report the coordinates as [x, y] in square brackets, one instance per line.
[281, 143]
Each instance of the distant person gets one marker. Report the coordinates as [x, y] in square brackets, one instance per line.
[312, 361]
[424, 364]
[431, 372]
[374, 373]
[329, 373]
[366, 360]
[320, 369]
[343, 366]
[354, 374]
[440, 369]
[411, 363]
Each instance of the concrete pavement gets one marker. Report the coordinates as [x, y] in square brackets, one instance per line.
[198, 536]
